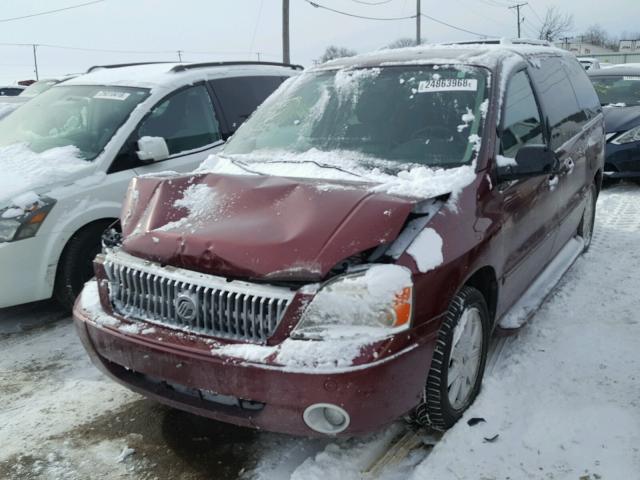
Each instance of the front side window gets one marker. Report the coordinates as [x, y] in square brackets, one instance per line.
[390, 118]
[622, 90]
[186, 120]
[84, 116]
[521, 120]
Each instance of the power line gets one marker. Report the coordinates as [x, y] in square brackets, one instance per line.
[433, 19]
[317, 5]
[137, 52]
[454, 27]
[2, 20]
[382, 2]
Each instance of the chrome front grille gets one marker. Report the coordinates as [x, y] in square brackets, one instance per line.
[195, 302]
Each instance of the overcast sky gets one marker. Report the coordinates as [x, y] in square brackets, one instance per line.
[237, 29]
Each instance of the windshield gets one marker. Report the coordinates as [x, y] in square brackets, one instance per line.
[622, 90]
[391, 117]
[83, 116]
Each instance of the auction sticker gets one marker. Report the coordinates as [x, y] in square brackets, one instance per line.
[448, 85]
[111, 95]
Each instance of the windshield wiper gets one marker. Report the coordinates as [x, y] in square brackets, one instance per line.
[319, 164]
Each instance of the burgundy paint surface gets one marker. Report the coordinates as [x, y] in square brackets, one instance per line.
[268, 228]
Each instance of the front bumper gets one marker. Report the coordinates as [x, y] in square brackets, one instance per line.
[181, 370]
[25, 275]
[622, 161]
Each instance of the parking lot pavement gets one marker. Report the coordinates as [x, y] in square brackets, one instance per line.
[61, 419]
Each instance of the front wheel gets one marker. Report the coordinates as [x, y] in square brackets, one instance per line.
[75, 267]
[458, 361]
[585, 229]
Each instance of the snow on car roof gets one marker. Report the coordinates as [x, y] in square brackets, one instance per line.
[489, 55]
[616, 71]
[161, 74]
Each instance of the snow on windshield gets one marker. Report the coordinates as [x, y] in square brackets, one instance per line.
[412, 131]
[23, 169]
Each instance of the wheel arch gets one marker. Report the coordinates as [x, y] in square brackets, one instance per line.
[106, 221]
[486, 282]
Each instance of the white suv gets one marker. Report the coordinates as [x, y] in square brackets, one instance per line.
[67, 156]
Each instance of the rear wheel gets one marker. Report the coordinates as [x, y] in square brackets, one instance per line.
[75, 267]
[585, 229]
[458, 361]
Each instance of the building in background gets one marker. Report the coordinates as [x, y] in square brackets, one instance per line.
[629, 46]
[578, 47]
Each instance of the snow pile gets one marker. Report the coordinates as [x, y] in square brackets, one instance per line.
[23, 169]
[7, 108]
[415, 181]
[503, 161]
[426, 250]
[202, 204]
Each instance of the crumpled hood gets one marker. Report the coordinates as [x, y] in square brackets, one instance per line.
[621, 119]
[257, 227]
[22, 170]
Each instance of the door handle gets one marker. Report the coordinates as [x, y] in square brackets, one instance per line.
[567, 166]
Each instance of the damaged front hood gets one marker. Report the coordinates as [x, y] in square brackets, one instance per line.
[257, 227]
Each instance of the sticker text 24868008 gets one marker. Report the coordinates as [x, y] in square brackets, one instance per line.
[448, 85]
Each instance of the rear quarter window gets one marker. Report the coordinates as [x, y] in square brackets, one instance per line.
[585, 93]
[564, 116]
[240, 96]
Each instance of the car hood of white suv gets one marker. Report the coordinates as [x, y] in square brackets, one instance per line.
[25, 173]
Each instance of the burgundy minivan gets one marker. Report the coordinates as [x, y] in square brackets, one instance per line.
[346, 259]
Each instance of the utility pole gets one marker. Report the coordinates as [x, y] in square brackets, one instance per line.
[286, 57]
[418, 22]
[519, 20]
[180, 56]
[35, 60]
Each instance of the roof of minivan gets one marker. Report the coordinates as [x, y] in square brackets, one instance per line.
[614, 71]
[488, 55]
[161, 74]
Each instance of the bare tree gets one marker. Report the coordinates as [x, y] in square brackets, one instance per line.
[334, 51]
[596, 35]
[403, 42]
[555, 24]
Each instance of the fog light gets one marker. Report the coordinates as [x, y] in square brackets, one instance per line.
[326, 418]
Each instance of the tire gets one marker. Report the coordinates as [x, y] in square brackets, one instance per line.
[585, 229]
[441, 408]
[75, 267]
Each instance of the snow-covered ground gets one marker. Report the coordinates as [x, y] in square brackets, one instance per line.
[561, 399]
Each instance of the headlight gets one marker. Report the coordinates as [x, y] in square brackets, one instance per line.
[376, 301]
[21, 223]
[629, 136]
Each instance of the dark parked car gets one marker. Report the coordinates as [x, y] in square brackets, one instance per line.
[619, 92]
[346, 259]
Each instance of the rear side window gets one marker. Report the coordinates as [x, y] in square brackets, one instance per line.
[585, 93]
[240, 96]
[521, 125]
[186, 120]
[565, 117]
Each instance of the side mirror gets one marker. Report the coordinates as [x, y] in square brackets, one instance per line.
[530, 161]
[152, 149]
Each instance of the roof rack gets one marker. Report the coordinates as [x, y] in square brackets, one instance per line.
[189, 66]
[122, 65]
[504, 41]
